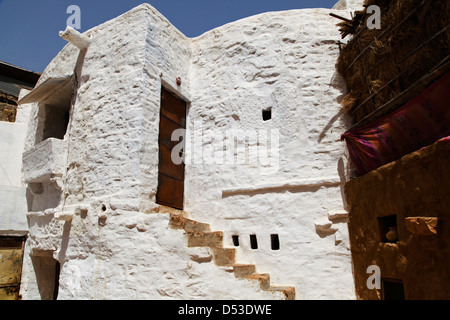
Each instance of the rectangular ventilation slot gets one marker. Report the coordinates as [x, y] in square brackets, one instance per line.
[235, 240]
[275, 242]
[253, 242]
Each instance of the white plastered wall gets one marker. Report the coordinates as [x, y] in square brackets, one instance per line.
[284, 61]
[12, 188]
[119, 248]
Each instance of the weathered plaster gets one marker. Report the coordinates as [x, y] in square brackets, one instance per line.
[106, 231]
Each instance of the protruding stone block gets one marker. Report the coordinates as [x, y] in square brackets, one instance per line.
[224, 256]
[422, 226]
[324, 228]
[264, 280]
[338, 216]
[244, 270]
[205, 239]
[289, 292]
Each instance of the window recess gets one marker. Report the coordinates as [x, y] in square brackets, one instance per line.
[54, 97]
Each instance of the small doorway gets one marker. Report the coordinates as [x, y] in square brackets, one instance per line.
[170, 175]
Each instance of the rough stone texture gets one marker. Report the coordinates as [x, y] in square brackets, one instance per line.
[8, 112]
[115, 243]
[37, 166]
[415, 186]
[423, 226]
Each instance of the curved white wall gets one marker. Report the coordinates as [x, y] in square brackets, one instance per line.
[119, 248]
[284, 61]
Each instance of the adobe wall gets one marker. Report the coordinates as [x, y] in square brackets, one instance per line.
[415, 186]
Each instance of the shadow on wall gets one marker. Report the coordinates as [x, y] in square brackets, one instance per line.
[47, 275]
[280, 189]
[343, 174]
[337, 82]
[43, 195]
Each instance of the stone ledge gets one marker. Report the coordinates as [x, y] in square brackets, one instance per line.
[45, 160]
[422, 226]
[291, 184]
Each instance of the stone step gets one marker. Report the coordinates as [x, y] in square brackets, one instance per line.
[338, 216]
[200, 235]
[289, 292]
[191, 225]
[244, 270]
[224, 256]
[177, 221]
[263, 278]
[180, 222]
[248, 271]
[164, 209]
[205, 239]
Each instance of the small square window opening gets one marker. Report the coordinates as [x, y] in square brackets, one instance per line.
[388, 228]
[267, 114]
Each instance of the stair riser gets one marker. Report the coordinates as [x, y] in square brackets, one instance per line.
[224, 257]
[200, 235]
[244, 271]
[205, 239]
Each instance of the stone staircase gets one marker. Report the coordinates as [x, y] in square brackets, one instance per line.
[200, 235]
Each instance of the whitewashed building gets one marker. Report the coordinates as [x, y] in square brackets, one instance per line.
[263, 214]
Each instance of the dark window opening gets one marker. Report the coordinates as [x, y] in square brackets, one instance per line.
[56, 121]
[275, 242]
[388, 228]
[235, 240]
[392, 289]
[253, 242]
[267, 114]
[54, 98]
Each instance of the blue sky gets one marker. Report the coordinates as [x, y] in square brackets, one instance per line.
[29, 28]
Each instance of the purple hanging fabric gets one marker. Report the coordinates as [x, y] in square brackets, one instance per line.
[417, 124]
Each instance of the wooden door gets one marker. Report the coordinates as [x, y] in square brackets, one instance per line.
[170, 175]
[11, 258]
